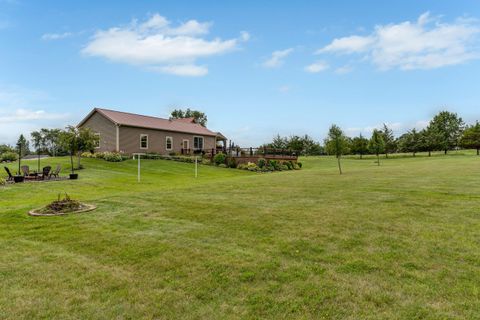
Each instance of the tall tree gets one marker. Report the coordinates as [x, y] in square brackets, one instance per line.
[278, 142]
[376, 144]
[449, 127]
[38, 139]
[52, 141]
[389, 140]
[410, 142]
[199, 116]
[359, 145]
[336, 144]
[23, 146]
[471, 137]
[77, 140]
[429, 140]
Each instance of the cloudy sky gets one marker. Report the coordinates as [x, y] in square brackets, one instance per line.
[256, 68]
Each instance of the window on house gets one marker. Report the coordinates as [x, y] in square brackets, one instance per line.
[144, 141]
[97, 142]
[169, 143]
[198, 143]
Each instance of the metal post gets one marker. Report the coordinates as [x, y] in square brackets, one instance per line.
[196, 167]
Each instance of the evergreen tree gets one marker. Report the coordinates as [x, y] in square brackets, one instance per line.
[449, 127]
[389, 140]
[471, 138]
[376, 144]
[359, 145]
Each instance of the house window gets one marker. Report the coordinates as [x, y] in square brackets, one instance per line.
[144, 141]
[169, 143]
[97, 142]
[198, 143]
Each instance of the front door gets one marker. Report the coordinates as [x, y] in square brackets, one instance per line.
[185, 145]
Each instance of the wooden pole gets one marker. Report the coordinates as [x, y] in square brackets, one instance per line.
[196, 167]
[138, 176]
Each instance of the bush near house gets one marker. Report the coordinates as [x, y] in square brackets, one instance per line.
[219, 158]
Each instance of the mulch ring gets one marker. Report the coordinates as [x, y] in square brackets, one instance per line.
[85, 208]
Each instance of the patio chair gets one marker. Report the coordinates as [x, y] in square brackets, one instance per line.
[25, 170]
[10, 177]
[45, 172]
[56, 172]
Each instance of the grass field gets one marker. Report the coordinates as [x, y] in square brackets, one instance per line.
[399, 241]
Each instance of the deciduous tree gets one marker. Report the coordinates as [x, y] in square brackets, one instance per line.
[359, 145]
[200, 117]
[471, 137]
[376, 144]
[449, 127]
[336, 144]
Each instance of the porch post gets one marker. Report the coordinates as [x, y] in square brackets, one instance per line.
[117, 146]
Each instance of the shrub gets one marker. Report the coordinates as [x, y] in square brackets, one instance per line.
[252, 167]
[242, 166]
[112, 157]
[87, 155]
[222, 165]
[262, 162]
[206, 161]
[231, 163]
[288, 164]
[274, 164]
[219, 159]
[8, 157]
[299, 164]
[284, 167]
[98, 155]
[2, 182]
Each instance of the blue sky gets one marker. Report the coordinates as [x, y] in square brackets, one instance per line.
[256, 69]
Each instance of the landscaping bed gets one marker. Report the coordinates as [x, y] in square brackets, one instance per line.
[62, 207]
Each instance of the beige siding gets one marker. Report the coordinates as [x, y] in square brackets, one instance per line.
[107, 130]
[130, 140]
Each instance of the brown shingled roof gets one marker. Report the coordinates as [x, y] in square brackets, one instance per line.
[136, 120]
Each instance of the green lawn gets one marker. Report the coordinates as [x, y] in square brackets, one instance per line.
[399, 241]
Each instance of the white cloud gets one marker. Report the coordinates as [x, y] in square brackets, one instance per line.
[158, 45]
[423, 44]
[317, 67]
[20, 112]
[344, 70]
[277, 58]
[244, 35]
[183, 70]
[56, 36]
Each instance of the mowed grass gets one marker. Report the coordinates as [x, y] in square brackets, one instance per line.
[399, 241]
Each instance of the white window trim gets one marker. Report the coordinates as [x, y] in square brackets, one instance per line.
[97, 145]
[203, 142]
[141, 136]
[188, 144]
[166, 143]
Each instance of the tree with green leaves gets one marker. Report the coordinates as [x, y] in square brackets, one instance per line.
[336, 144]
[471, 138]
[52, 141]
[24, 146]
[359, 145]
[410, 142]
[38, 139]
[449, 127]
[199, 116]
[76, 141]
[389, 140]
[376, 144]
[429, 140]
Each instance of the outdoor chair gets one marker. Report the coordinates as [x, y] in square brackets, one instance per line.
[56, 172]
[10, 177]
[45, 172]
[25, 170]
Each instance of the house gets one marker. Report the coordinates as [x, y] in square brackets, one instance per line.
[133, 133]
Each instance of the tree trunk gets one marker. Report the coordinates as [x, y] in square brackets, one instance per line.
[429, 153]
[339, 166]
[360, 156]
[78, 158]
[378, 159]
[478, 151]
[446, 151]
[414, 154]
[386, 155]
[38, 164]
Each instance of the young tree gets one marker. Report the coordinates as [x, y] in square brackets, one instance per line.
[52, 140]
[449, 127]
[389, 140]
[77, 141]
[336, 144]
[38, 138]
[471, 137]
[199, 116]
[376, 144]
[359, 145]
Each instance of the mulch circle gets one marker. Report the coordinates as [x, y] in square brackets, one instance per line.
[87, 208]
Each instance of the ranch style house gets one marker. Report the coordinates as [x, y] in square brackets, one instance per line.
[133, 133]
